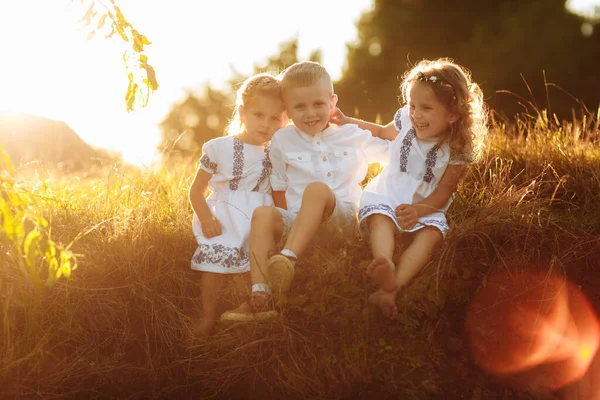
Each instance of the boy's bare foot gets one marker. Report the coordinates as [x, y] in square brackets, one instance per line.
[386, 302]
[382, 271]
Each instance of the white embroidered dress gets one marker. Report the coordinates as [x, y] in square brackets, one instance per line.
[239, 184]
[415, 169]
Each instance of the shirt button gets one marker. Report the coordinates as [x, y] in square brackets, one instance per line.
[299, 158]
[324, 158]
[329, 174]
[318, 142]
[345, 153]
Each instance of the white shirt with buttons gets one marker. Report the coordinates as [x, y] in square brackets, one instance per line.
[339, 156]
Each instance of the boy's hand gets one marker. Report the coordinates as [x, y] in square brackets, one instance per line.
[337, 117]
[211, 227]
[408, 215]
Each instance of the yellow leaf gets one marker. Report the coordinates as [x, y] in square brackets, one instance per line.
[102, 21]
[30, 247]
[112, 32]
[65, 263]
[138, 44]
[88, 13]
[121, 18]
[153, 83]
[91, 35]
[121, 32]
[6, 162]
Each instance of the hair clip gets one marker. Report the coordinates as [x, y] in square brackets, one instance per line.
[424, 78]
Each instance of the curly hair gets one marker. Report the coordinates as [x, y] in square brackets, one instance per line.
[263, 84]
[453, 87]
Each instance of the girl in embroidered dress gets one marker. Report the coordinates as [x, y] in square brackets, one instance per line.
[236, 169]
[436, 134]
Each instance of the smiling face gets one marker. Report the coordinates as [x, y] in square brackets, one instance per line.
[309, 107]
[430, 118]
[261, 119]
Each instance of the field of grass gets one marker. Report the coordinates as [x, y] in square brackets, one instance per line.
[118, 327]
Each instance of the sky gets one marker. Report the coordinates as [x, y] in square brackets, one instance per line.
[49, 68]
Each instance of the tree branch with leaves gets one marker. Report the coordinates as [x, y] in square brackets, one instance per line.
[105, 17]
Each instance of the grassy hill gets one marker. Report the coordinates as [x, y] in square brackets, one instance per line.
[118, 327]
[37, 143]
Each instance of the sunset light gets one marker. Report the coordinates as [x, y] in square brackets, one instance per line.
[54, 71]
[316, 199]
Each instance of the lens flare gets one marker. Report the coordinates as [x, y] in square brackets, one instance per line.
[532, 331]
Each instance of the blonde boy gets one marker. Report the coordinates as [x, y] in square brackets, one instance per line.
[317, 168]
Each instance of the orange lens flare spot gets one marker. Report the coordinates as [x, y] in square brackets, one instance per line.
[585, 353]
[532, 331]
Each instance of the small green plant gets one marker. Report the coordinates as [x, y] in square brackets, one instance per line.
[25, 237]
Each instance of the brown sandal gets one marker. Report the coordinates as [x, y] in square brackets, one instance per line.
[259, 307]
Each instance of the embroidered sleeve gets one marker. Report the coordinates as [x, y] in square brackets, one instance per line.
[208, 161]
[278, 172]
[401, 119]
[460, 158]
[398, 120]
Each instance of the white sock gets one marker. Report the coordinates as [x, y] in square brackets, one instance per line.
[261, 287]
[289, 254]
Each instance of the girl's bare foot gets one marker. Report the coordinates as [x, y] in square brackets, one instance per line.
[386, 302]
[382, 271]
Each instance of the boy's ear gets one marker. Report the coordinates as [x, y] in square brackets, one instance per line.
[333, 101]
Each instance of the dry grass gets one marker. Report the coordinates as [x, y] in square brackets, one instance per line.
[118, 327]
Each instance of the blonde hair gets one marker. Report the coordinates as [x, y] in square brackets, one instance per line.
[263, 84]
[453, 87]
[302, 74]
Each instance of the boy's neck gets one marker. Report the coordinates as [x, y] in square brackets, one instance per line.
[316, 133]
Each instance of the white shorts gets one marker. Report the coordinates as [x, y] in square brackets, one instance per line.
[337, 230]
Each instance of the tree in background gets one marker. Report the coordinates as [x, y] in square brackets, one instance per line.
[204, 116]
[498, 40]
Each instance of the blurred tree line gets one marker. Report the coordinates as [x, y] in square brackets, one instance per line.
[523, 53]
[201, 117]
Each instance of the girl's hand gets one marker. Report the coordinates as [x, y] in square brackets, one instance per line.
[408, 215]
[337, 117]
[211, 227]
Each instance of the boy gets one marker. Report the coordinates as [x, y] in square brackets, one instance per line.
[317, 169]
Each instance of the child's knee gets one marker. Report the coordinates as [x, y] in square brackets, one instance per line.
[264, 216]
[429, 236]
[318, 191]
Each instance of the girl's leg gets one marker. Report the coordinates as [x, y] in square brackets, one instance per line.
[381, 235]
[212, 285]
[417, 254]
[411, 262]
[265, 232]
[318, 203]
[266, 229]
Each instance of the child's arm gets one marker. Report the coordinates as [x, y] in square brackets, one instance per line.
[279, 199]
[211, 227]
[278, 176]
[409, 213]
[388, 131]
